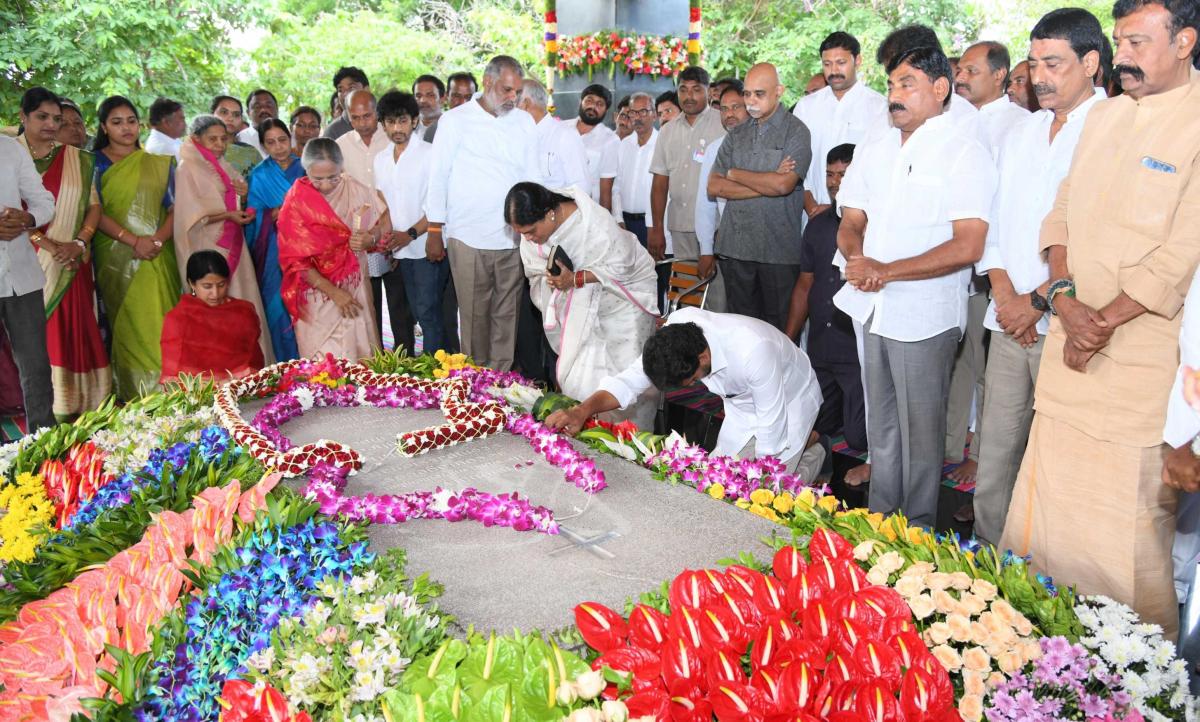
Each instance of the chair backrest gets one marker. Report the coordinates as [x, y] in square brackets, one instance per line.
[685, 287]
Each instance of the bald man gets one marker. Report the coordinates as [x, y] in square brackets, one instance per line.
[759, 171]
[365, 140]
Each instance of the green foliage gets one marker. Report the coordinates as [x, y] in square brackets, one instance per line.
[89, 49]
[510, 677]
[55, 442]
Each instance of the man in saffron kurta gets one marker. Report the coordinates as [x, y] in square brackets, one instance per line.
[1089, 503]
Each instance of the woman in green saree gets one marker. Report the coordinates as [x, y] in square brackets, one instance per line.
[135, 257]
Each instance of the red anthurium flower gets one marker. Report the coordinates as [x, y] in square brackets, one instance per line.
[656, 705]
[844, 696]
[842, 668]
[842, 716]
[798, 686]
[689, 589]
[806, 650]
[850, 634]
[602, 628]
[767, 649]
[907, 645]
[715, 579]
[743, 610]
[876, 659]
[767, 682]
[830, 575]
[719, 628]
[941, 678]
[827, 544]
[744, 578]
[920, 698]
[856, 578]
[724, 666]
[803, 590]
[823, 700]
[648, 627]
[864, 613]
[642, 663]
[886, 601]
[896, 626]
[818, 620]
[877, 703]
[685, 624]
[681, 662]
[736, 702]
[689, 704]
[248, 702]
[788, 563]
[786, 628]
[770, 595]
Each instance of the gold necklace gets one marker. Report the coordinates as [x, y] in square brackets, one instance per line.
[45, 155]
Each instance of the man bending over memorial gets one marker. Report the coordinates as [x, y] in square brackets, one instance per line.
[770, 392]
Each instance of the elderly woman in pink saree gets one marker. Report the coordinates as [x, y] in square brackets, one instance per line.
[208, 214]
[599, 308]
[326, 224]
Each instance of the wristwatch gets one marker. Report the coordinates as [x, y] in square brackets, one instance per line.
[1038, 301]
[412, 232]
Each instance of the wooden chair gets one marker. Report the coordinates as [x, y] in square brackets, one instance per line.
[685, 287]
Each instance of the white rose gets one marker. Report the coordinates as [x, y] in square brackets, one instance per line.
[590, 685]
[615, 710]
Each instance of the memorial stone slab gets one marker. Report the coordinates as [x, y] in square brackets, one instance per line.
[625, 540]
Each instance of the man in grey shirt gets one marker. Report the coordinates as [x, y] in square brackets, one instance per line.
[759, 171]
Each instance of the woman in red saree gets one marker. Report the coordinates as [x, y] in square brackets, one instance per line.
[78, 362]
[327, 222]
[209, 333]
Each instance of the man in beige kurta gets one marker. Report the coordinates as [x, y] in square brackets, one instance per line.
[1089, 503]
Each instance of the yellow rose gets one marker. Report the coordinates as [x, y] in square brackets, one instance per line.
[742, 504]
[440, 355]
[783, 503]
[948, 657]
[805, 500]
[977, 660]
[762, 496]
[916, 535]
[716, 491]
[440, 373]
[970, 707]
[828, 503]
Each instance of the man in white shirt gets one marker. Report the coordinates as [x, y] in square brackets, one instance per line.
[631, 187]
[260, 105]
[21, 279]
[982, 79]
[403, 177]
[366, 140]
[429, 91]
[483, 148]
[1033, 159]
[562, 156]
[600, 141]
[732, 107]
[841, 112]
[167, 126]
[915, 204]
[771, 395]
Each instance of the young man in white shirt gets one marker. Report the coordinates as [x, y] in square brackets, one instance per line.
[1034, 158]
[915, 205]
[841, 112]
[260, 105]
[402, 174]
[631, 187]
[562, 156]
[771, 395]
[167, 127]
[484, 147]
[360, 146]
[21, 279]
[600, 141]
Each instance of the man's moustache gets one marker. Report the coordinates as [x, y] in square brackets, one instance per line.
[831, 78]
[895, 107]
[1132, 70]
[1040, 89]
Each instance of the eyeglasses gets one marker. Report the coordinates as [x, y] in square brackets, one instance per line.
[640, 113]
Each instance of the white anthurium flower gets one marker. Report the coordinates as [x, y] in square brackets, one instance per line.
[622, 450]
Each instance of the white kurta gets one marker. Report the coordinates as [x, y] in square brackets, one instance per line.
[599, 329]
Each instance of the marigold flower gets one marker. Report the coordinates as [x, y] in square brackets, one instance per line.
[783, 503]
[762, 496]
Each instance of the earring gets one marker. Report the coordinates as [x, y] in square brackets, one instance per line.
[551, 216]
[193, 292]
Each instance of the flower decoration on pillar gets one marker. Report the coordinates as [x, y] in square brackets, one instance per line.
[693, 44]
[618, 51]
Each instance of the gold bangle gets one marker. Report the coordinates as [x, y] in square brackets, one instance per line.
[88, 231]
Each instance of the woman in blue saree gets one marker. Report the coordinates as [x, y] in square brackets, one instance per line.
[270, 181]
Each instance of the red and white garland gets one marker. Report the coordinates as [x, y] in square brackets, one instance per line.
[465, 419]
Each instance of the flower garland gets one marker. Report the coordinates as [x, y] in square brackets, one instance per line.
[326, 482]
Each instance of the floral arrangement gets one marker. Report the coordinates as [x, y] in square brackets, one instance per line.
[244, 702]
[354, 643]
[275, 575]
[1066, 683]
[27, 516]
[60, 647]
[1150, 671]
[812, 640]
[153, 422]
[978, 637]
[613, 51]
[326, 482]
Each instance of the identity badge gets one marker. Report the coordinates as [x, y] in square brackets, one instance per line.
[1157, 165]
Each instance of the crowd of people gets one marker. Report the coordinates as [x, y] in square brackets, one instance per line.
[988, 252]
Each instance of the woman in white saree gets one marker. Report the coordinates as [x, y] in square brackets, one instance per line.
[598, 300]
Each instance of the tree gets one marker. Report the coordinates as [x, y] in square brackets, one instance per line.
[90, 49]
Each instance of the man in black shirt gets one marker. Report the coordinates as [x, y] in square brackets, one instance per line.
[831, 345]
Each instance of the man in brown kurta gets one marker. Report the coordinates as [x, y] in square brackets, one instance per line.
[1089, 503]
